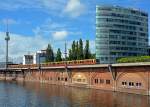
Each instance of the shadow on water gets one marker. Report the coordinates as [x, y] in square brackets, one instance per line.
[28, 94]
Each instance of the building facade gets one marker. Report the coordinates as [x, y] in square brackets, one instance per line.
[36, 58]
[120, 32]
[39, 57]
[27, 59]
[149, 50]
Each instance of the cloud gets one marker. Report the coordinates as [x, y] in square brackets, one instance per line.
[55, 30]
[74, 8]
[9, 21]
[44, 5]
[48, 27]
[60, 35]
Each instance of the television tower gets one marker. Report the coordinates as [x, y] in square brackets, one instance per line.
[7, 38]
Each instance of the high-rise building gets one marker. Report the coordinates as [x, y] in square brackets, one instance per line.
[120, 32]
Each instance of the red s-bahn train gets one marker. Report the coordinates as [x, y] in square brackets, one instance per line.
[56, 64]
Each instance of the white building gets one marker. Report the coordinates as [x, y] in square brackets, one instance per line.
[27, 59]
[39, 57]
[36, 58]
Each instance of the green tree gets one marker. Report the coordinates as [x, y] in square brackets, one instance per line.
[87, 53]
[81, 54]
[49, 54]
[70, 55]
[74, 56]
[77, 50]
[58, 56]
[93, 56]
[133, 59]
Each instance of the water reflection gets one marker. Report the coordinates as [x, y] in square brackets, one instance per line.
[13, 94]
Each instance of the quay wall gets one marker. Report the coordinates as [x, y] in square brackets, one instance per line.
[130, 78]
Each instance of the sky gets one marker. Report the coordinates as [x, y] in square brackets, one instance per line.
[35, 23]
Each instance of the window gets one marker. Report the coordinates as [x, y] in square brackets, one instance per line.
[131, 83]
[138, 84]
[124, 83]
[65, 79]
[101, 81]
[107, 81]
[79, 80]
[58, 78]
[96, 81]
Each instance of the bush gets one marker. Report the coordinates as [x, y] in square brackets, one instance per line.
[134, 59]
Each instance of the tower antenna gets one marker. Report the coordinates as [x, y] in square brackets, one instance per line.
[7, 25]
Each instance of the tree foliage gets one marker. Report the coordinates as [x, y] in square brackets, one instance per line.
[58, 55]
[49, 54]
[77, 52]
[73, 50]
[87, 53]
[80, 53]
[134, 59]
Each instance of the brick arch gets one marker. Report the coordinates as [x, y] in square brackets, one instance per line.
[131, 77]
[80, 78]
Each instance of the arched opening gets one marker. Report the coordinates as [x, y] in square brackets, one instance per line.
[80, 78]
[131, 81]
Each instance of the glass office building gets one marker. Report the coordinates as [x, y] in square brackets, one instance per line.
[120, 32]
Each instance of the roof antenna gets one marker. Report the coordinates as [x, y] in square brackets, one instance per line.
[7, 25]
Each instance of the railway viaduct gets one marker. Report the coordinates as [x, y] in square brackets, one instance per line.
[127, 77]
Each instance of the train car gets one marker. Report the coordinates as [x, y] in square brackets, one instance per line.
[55, 64]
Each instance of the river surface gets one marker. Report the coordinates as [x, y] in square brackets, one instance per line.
[30, 94]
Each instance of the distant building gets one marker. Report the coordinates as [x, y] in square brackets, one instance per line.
[39, 57]
[36, 58]
[120, 32]
[28, 59]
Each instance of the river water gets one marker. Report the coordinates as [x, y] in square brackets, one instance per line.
[29, 94]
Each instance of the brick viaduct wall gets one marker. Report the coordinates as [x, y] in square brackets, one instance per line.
[130, 79]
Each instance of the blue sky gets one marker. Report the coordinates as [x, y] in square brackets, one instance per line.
[35, 23]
